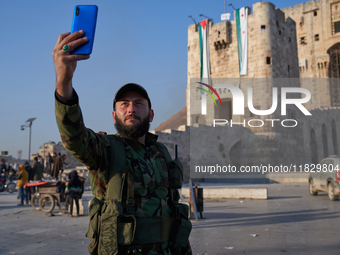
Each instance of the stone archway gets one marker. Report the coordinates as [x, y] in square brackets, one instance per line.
[324, 141]
[334, 138]
[313, 147]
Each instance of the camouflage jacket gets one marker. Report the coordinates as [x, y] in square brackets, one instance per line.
[144, 162]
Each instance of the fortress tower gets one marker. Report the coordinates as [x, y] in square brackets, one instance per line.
[301, 43]
[272, 53]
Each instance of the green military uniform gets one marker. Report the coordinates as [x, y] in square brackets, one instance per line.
[144, 163]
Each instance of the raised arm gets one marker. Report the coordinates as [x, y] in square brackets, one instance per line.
[65, 64]
[86, 146]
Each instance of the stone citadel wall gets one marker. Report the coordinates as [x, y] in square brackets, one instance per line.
[315, 34]
[294, 42]
[318, 38]
[312, 140]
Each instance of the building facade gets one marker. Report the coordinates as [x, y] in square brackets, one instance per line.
[301, 43]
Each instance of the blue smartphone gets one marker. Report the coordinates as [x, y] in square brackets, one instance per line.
[85, 18]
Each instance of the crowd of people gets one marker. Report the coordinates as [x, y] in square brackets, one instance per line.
[27, 173]
[50, 168]
[53, 167]
[39, 170]
[8, 171]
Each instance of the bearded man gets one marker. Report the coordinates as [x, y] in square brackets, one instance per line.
[134, 181]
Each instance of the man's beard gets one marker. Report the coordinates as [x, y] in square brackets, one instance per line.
[135, 130]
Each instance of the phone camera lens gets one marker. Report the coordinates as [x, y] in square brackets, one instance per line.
[77, 11]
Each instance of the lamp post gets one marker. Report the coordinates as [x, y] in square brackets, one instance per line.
[193, 19]
[201, 15]
[232, 6]
[29, 121]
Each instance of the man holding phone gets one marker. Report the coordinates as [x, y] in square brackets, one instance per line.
[133, 179]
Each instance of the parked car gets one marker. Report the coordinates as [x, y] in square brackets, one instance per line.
[326, 177]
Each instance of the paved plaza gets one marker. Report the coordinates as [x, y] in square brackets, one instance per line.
[290, 221]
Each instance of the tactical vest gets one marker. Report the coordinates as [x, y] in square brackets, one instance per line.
[112, 220]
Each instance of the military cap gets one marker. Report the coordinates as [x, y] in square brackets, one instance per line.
[131, 87]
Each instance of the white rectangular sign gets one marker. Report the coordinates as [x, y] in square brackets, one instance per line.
[225, 16]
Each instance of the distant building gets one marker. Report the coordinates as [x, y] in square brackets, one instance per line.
[12, 161]
[52, 147]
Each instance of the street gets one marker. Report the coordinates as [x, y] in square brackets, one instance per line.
[289, 222]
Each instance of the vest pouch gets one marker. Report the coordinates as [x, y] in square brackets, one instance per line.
[126, 229]
[176, 174]
[180, 232]
[181, 228]
[108, 239]
[94, 225]
[183, 211]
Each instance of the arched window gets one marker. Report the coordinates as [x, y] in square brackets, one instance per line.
[334, 72]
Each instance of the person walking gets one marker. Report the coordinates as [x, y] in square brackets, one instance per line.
[48, 168]
[42, 162]
[23, 179]
[63, 163]
[38, 170]
[57, 166]
[75, 190]
[29, 190]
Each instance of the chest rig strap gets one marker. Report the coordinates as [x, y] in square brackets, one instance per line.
[130, 196]
[126, 185]
[115, 178]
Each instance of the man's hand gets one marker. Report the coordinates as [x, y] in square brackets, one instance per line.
[64, 63]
